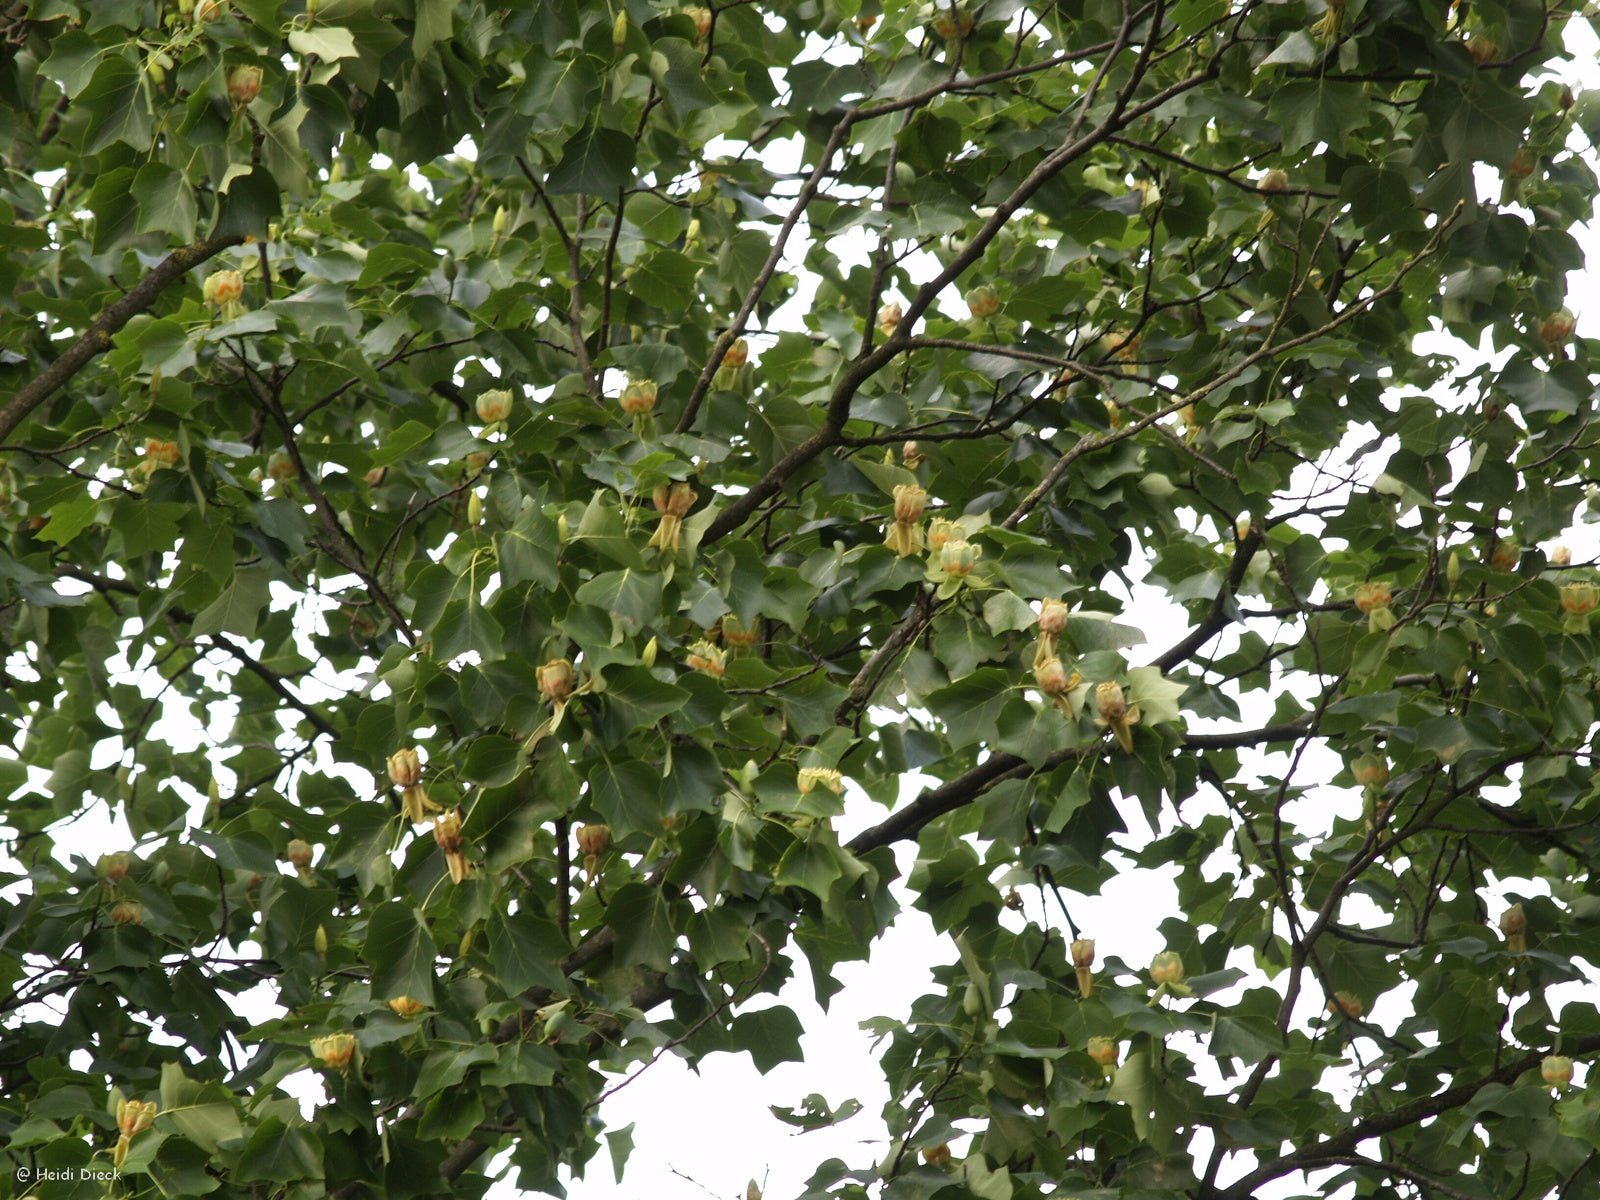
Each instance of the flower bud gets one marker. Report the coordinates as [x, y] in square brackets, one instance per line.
[936, 1156]
[1556, 1070]
[222, 287]
[1556, 329]
[675, 500]
[281, 468]
[556, 679]
[1579, 598]
[1167, 967]
[405, 768]
[1452, 569]
[1371, 596]
[375, 476]
[889, 318]
[474, 509]
[941, 531]
[734, 632]
[447, 832]
[639, 397]
[159, 454]
[112, 868]
[208, 10]
[1346, 1004]
[1104, 1051]
[405, 1006]
[135, 1116]
[1514, 925]
[909, 503]
[1110, 702]
[502, 222]
[911, 455]
[319, 941]
[1565, 99]
[1483, 50]
[738, 354]
[983, 302]
[619, 31]
[708, 659]
[1053, 617]
[827, 777]
[127, 912]
[1560, 556]
[957, 557]
[1053, 678]
[594, 839]
[1370, 770]
[335, 1050]
[1273, 181]
[648, 657]
[494, 406]
[299, 853]
[952, 25]
[1082, 951]
[1505, 556]
[244, 83]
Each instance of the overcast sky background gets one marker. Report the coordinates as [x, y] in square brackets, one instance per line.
[710, 1131]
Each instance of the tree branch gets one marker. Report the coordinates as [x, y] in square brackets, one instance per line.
[97, 338]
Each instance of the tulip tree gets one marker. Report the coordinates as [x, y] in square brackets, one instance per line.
[533, 519]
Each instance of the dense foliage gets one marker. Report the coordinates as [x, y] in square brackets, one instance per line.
[678, 425]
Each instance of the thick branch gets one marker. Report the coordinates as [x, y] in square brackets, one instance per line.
[97, 338]
[1343, 1144]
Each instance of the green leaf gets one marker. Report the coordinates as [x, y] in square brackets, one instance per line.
[663, 279]
[523, 949]
[595, 161]
[68, 519]
[277, 1153]
[117, 105]
[771, 1036]
[239, 607]
[493, 761]
[400, 950]
[621, 1143]
[633, 598]
[643, 924]
[628, 796]
[327, 42]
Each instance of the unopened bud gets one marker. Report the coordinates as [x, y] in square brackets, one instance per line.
[335, 1050]
[299, 853]
[112, 868]
[909, 503]
[494, 405]
[1556, 1070]
[958, 557]
[556, 679]
[983, 302]
[1560, 556]
[811, 778]
[1346, 1004]
[405, 768]
[1053, 617]
[708, 659]
[594, 839]
[1167, 967]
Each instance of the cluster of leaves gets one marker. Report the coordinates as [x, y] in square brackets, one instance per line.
[357, 506]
